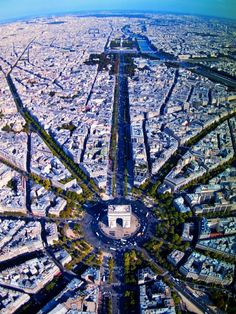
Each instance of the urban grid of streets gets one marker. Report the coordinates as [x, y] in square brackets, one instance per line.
[96, 111]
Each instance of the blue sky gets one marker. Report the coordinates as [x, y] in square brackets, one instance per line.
[22, 8]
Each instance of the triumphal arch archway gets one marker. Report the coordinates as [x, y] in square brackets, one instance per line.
[119, 214]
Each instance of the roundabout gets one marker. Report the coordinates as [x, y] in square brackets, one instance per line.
[112, 238]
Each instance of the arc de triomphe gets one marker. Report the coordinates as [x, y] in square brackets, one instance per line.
[123, 212]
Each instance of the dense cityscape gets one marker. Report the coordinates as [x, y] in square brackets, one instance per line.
[118, 165]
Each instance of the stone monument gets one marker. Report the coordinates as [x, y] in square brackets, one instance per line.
[119, 214]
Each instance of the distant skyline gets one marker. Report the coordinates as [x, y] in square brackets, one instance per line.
[15, 9]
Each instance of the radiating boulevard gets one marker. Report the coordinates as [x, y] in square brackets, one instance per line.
[120, 173]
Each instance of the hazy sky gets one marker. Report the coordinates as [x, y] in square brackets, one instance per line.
[23, 8]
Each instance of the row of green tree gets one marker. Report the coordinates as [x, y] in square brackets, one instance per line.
[86, 183]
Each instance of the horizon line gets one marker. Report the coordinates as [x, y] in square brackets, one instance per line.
[122, 12]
